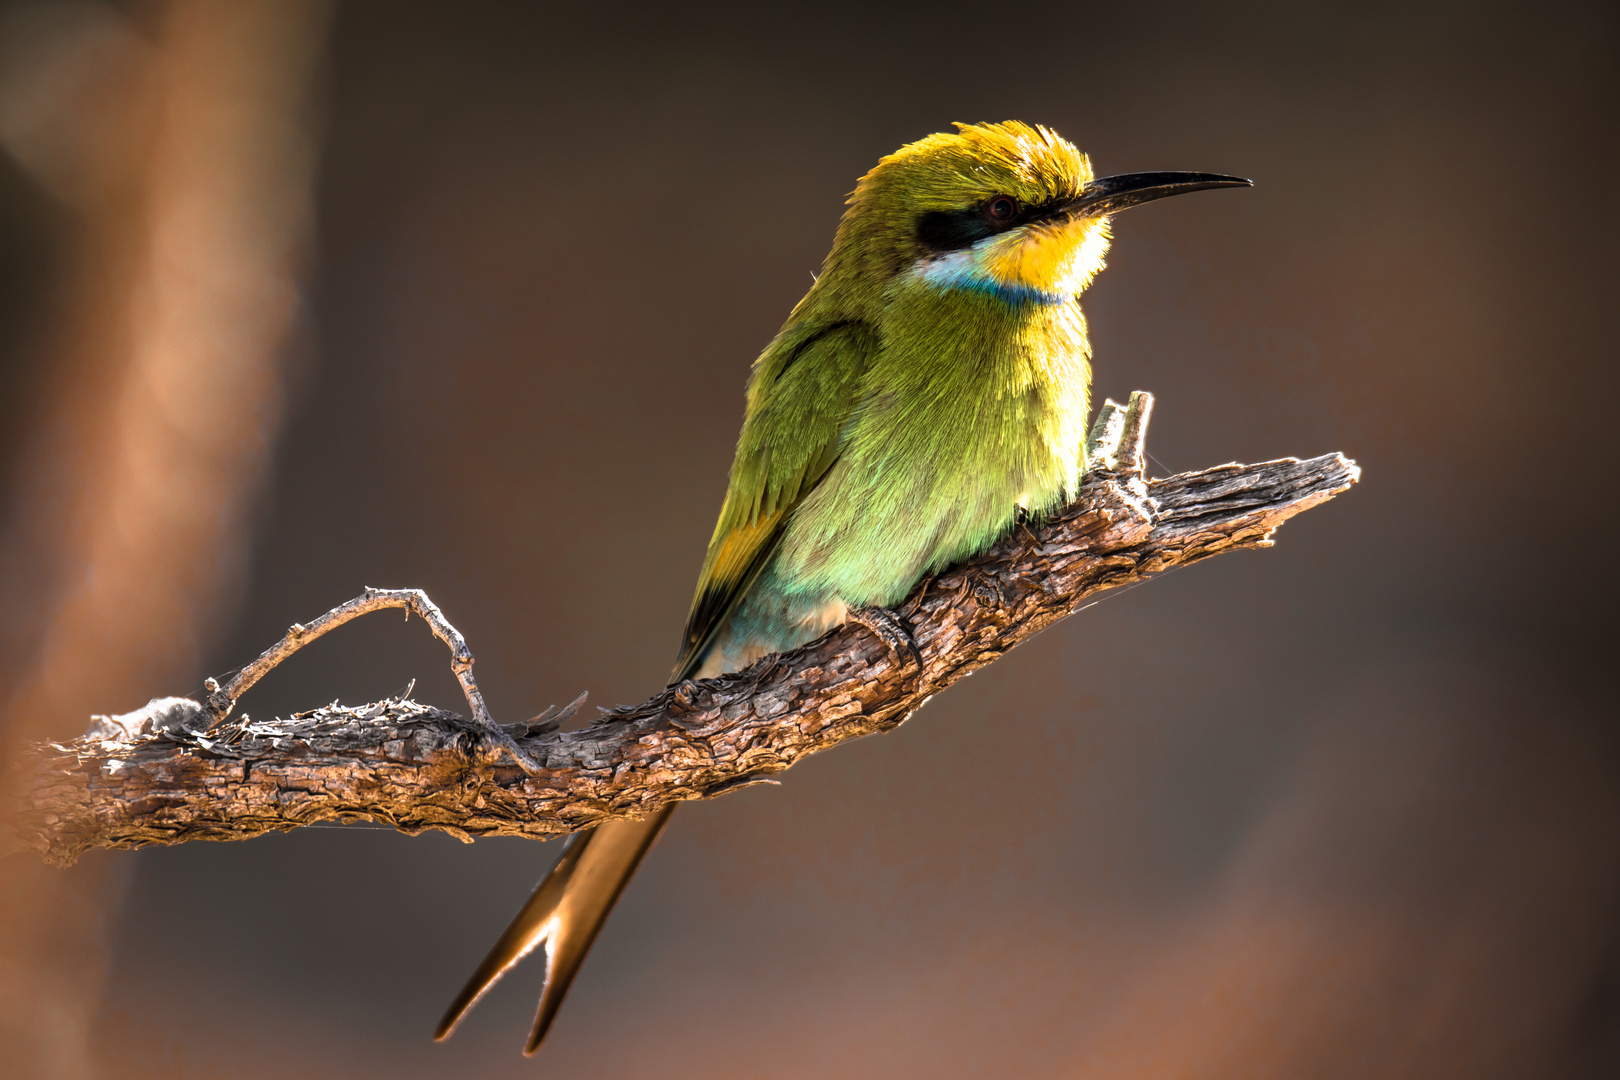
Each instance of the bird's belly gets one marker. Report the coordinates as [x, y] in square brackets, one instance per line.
[831, 562]
[862, 540]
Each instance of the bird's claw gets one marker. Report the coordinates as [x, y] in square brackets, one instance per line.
[886, 626]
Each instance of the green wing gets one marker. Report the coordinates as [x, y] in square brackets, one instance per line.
[801, 393]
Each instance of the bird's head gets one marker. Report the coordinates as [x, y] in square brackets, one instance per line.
[1005, 208]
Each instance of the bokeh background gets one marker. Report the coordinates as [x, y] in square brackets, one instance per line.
[298, 298]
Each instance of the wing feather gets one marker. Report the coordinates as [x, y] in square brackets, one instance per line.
[802, 391]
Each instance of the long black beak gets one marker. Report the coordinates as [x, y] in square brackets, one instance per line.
[1110, 194]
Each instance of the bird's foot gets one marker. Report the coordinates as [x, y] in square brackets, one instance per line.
[886, 626]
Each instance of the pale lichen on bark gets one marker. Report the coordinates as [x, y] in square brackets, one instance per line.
[185, 770]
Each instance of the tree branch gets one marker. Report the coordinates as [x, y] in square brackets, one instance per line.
[218, 701]
[182, 778]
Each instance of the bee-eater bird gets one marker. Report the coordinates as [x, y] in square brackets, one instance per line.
[931, 384]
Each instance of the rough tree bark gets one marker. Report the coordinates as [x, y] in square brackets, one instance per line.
[185, 770]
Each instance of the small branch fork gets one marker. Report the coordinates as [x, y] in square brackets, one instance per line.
[219, 701]
[183, 770]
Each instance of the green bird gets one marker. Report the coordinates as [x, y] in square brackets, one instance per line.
[931, 385]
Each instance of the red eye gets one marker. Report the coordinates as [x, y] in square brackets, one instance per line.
[1002, 208]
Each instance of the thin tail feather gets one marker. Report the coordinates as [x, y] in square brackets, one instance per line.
[564, 913]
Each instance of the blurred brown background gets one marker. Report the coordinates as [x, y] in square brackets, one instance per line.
[296, 299]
